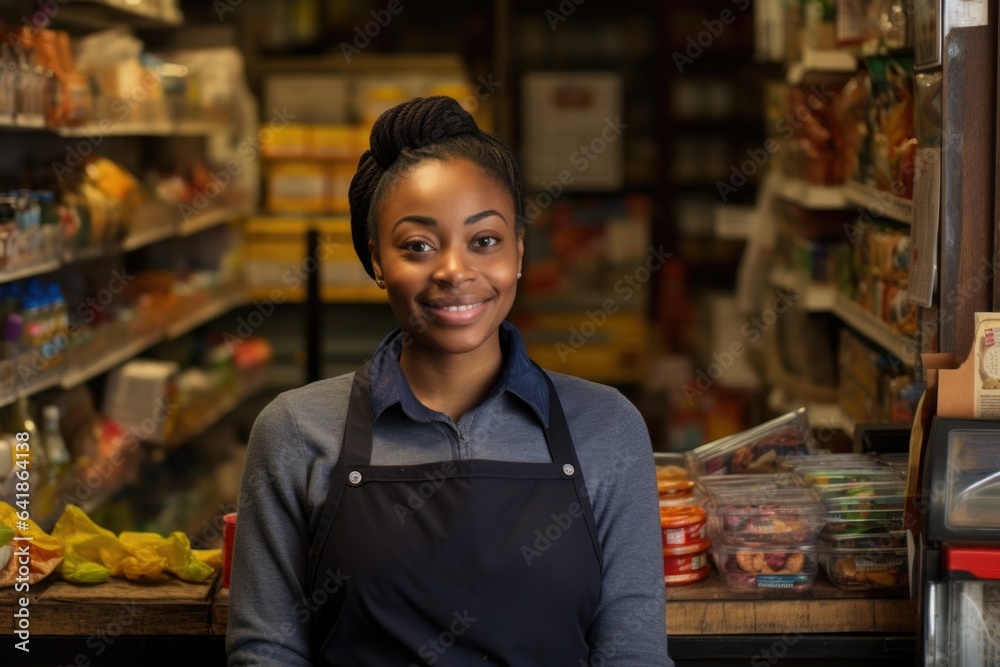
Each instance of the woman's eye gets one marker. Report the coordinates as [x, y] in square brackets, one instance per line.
[486, 241]
[417, 246]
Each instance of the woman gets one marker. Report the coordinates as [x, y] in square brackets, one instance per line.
[449, 503]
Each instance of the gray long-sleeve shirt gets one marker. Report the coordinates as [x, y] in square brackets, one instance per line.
[295, 444]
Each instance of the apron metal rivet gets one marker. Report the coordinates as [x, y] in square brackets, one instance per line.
[568, 470]
[354, 477]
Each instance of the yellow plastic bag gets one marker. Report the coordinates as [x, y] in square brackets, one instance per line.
[92, 554]
[44, 550]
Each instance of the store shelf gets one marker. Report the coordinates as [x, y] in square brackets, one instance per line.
[201, 316]
[164, 129]
[101, 14]
[218, 411]
[206, 314]
[30, 271]
[108, 362]
[734, 223]
[873, 328]
[821, 62]
[148, 237]
[880, 203]
[815, 297]
[207, 220]
[807, 195]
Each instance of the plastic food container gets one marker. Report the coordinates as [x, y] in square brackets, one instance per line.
[876, 539]
[859, 489]
[858, 507]
[687, 577]
[796, 461]
[692, 498]
[781, 480]
[780, 517]
[875, 521]
[825, 476]
[866, 569]
[685, 559]
[756, 450]
[772, 572]
[667, 487]
[683, 525]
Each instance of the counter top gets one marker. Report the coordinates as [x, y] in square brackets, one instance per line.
[175, 607]
[710, 608]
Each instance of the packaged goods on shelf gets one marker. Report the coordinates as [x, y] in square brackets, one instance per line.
[865, 569]
[764, 517]
[755, 450]
[683, 523]
[874, 386]
[777, 571]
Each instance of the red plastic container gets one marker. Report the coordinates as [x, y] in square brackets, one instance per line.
[683, 525]
[686, 558]
[228, 538]
[687, 577]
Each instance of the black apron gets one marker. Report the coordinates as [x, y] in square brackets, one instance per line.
[468, 562]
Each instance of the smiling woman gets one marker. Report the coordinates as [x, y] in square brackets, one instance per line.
[450, 478]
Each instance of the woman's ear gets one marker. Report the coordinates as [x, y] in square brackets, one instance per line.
[376, 260]
[520, 248]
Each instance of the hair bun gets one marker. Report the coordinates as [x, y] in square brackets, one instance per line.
[420, 122]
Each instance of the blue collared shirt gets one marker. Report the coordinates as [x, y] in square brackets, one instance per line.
[520, 377]
[296, 443]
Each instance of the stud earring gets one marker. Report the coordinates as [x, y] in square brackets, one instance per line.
[518, 274]
[380, 283]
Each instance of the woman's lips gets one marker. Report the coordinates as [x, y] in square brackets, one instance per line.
[457, 313]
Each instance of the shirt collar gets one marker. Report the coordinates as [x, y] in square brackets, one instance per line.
[520, 377]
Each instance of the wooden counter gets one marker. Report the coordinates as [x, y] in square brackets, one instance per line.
[710, 608]
[706, 608]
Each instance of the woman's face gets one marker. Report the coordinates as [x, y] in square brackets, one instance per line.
[449, 254]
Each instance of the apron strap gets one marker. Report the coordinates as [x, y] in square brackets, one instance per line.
[358, 429]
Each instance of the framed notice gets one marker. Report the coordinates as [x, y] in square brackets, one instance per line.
[927, 34]
[572, 136]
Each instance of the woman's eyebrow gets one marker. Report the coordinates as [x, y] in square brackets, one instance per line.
[431, 222]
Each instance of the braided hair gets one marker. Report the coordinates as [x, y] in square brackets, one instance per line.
[409, 133]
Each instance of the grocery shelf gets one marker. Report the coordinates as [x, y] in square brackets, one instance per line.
[127, 129]
[807, 195]
[110, 361]
[30, 271]
[100, 14]
[148, 237]
[206, 314]
[368, 62]
[816, 297]
[891, 206]
[208, 219]
[874, 328]
[218, 411]
[734, 222]
[815, 61]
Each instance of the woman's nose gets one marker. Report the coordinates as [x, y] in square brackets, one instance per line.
[453, 267]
